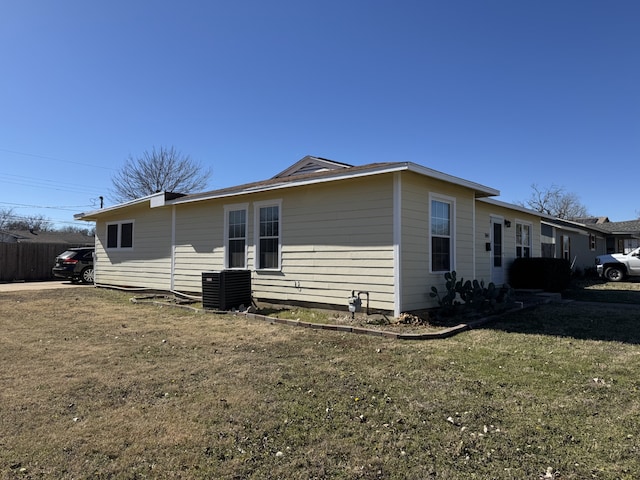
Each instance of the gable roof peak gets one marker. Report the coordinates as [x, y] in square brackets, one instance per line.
[311, 164]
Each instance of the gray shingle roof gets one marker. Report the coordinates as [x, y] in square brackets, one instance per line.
[630, 226]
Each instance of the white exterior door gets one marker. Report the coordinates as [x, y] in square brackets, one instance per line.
[497, 260]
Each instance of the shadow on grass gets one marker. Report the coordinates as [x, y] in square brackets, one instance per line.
[584, 320]
[595, 290]
[271, 311]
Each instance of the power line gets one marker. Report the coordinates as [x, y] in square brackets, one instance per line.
[63, 207]
[49, 184]
[47, 157]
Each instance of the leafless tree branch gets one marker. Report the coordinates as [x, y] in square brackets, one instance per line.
[161, 169]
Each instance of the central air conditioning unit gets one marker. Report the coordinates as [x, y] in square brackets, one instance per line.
[226, 290]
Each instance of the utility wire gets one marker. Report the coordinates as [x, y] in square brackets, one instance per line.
[35, 155]
[48, 184]
[63, 207]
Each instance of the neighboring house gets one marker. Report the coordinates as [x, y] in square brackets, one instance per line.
[318, 231]
[622, 237]
[581, 240]
[579, 243]
[72, 239]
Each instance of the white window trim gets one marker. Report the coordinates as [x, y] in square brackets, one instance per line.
[232, 208]
[256, 234]
[119, 223]
[530, 225]
[452, 235]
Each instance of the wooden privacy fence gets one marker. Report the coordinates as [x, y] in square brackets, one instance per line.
[28, 261]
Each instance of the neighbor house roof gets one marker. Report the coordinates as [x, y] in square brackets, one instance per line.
[630, 227]
[309, 170]
[34, 236]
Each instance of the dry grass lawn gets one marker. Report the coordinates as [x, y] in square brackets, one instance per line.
[94, 386]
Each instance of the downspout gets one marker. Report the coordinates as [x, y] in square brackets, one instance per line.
[397, 244]
[173, 247]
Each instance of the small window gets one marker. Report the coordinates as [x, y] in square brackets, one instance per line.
[120, 235]
[592, 242]
[441, 235]
[523, 240]
[565, 245]
[268, 233]
[236, 236]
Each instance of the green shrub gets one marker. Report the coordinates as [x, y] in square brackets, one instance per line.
[548, 274]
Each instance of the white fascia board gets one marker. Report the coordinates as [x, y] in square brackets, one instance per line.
[346, 174]
[565, 228]
[293, 183]
[511, 206]
[156, 200]
[428, 172]
[577, 228]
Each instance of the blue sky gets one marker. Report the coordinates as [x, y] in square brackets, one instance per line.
[503, 93]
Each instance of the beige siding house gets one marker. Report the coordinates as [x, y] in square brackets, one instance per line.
[318, 231]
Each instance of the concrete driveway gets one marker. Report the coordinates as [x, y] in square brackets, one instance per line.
[49, 285]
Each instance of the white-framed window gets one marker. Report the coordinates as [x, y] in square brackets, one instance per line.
[565, 246]
[268, 222]
[120, 234]
[523, 240]
[441, 233]
[592, 242]
[235, 240]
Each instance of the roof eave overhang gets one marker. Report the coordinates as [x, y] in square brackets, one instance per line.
[479, 190]
[513, 206]
[164, 198]
[155, 200]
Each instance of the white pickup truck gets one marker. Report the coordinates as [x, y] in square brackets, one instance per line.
[617, 266]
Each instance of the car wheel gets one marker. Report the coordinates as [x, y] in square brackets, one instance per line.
[87, 275]
[614, 274]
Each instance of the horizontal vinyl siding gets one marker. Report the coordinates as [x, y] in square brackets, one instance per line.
[417, 279]
[199, 243]
[335, 238]
[148, 263]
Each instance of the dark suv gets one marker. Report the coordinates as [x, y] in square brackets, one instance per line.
[76, 264]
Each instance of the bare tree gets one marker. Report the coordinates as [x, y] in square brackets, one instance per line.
[90, 232]
[162, 169]
[555, 201]
[6, 217]
[29, 222]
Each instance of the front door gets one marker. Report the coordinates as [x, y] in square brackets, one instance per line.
[497, 260]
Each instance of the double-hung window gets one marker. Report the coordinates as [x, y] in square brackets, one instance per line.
[268, 230]
[523, 240]
[441, 233]
[236, 236]
[120, 234]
